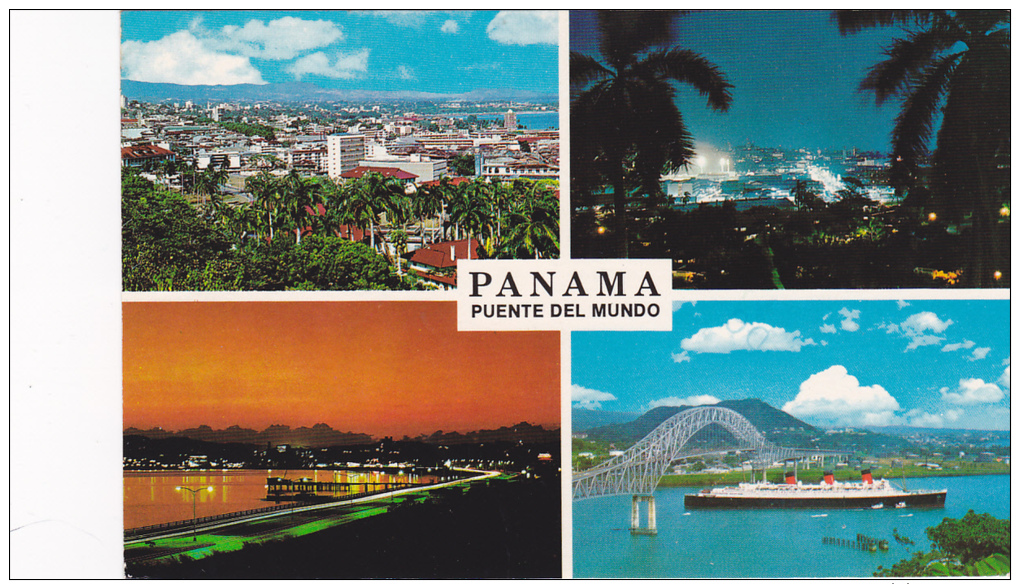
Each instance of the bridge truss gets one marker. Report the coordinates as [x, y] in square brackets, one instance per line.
[640, 468]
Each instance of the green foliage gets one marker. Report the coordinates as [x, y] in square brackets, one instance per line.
[972, 537]
[166, 244]
[463, 165]
[250, 129]
[975, 545]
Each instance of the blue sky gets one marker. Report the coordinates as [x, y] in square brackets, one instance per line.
[846, 363]
[795, 78]
[430, 51]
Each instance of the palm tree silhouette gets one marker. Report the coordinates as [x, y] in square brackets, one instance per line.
[953, 64]
[623, 109]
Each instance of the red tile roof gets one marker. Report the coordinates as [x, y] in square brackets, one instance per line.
[438, 255]
[387, 172]
[143, 151]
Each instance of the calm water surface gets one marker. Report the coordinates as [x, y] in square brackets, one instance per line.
[706, 543]
[151, 497]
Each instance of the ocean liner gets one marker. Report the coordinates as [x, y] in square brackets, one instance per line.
[826, 494]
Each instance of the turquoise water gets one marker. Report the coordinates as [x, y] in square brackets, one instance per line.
[763, 543]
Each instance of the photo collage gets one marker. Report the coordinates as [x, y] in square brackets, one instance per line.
[589, 294]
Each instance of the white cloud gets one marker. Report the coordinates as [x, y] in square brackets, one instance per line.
[828, 328]
[973, 391]
[920, 418]
[694, 400]
[922, 341]
[834, 396]
[902, 304]
[450, 27]
[344, 66]
[283, 38]
[916, 327]
[408, 18]
[825, 343]
[850, 317]
[525, 27]
[917, 417]
[1004, 378]
[922, 322]
[405, 72]
[737, 335]
[589, 399]
[957, 346]
[979, 353]
[182, 58]
[680, 357]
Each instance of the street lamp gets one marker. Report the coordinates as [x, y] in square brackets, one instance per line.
[194, 499]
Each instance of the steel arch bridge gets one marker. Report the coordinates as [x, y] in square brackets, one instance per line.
[640, 468]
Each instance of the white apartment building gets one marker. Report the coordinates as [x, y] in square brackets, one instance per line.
[343, 151]
[425, 170]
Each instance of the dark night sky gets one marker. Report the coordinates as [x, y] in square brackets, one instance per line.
[795, 78]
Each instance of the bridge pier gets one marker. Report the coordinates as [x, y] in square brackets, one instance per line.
[635, 515]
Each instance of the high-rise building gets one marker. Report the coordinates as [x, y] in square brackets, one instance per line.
[510, 120]
[343, 151]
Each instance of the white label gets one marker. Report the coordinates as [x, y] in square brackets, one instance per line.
[516, 295]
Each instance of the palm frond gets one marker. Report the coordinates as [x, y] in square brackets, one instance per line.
[853, 21]
[906, 58]
[912, 132]
[585, 70]
[685, 66]
[625, 34]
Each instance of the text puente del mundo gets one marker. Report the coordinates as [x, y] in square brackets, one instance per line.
[640, 468]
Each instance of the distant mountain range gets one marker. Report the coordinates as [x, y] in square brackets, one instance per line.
[766, 418]
[323, 436]
[584, 420]
[778, 426]
[307, 92]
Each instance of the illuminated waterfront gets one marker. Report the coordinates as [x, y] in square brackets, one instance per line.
[151, 497]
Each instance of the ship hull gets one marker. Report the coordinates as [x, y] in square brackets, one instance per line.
[714, 501]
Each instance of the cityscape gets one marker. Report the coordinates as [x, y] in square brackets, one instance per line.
[297, 183]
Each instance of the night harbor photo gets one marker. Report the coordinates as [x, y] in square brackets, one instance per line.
[804, 439]
[794, 148]
[337, 440]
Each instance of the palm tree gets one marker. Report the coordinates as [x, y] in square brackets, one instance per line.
[428, 202]
[623, 109]
[953, 64]
[533, 225]
[300, 199]
[266, 192]
[369, 196]
[208, 183]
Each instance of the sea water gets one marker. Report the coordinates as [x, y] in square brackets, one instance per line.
[760, 543]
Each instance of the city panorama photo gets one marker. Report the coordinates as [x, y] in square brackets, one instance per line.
[794, 149]
[340, 150]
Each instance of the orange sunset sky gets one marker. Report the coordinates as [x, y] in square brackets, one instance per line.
[381, 368]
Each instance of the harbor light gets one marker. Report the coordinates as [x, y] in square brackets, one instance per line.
[601, 229]
[932, 216]
[1004, 211]
[997, 275]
